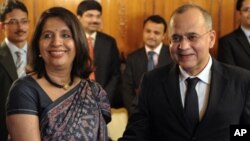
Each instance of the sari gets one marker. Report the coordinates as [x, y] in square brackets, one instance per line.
[79, 115]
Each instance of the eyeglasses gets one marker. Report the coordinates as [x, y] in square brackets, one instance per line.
[16, 22]
[245, 9]
[191, 37]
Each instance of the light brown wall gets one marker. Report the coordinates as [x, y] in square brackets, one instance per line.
[123, 19]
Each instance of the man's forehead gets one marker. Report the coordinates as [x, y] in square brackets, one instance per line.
[16, 13]
[186, 21]
[92, 11]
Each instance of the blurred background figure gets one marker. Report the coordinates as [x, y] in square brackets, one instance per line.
[152, 55]
[13, 51]
[234, 48]
[56, 100]
[102, 47]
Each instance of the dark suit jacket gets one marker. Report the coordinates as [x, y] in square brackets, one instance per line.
[160, 114]
[7, 75]
[234, 49]
[107, 63]
[136, 66]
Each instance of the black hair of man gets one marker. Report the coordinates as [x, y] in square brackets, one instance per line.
[88, 5]
[9, 6]
[239, 4]
[156, 19]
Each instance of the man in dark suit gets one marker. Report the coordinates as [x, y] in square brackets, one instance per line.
[234, 48]
[154, 32]
[170, 108]
[105, 55]
[15, 23]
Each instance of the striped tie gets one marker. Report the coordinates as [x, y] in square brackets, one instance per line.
[91, 54]
[20, 64]
[151, 64]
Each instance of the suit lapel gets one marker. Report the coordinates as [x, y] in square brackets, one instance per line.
[8, 62]
[163, 57]
[243, 40]
[98, 46]
[217, 87]
[172, 90]
[143, 60]
[99, 49]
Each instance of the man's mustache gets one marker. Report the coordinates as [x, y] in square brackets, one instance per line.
[95, 23]
[20, 31]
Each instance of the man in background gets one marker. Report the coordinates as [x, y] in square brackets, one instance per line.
[234, 48]
[152, 55]
[13, 52]
[103, 48]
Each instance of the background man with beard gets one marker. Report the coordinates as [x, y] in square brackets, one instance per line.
[102, 47]
[138, 62]
[15, 23]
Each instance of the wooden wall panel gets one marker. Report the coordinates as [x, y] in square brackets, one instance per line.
[41, 5]
[213, 9]
[228, 19]
[123, 19]
[30, 7]
[1, 31]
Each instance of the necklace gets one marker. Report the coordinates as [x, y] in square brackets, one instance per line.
[65, 86]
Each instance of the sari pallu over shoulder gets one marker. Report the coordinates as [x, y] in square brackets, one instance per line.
[79, 115]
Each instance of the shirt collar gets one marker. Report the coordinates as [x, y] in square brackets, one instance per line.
[13, 48]
[246, 31]
[157, 50]
[93, 35]
[204, 75]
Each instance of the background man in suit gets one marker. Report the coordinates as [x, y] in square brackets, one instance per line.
[170, 109]
[15, 23]
[234, 48]
[154, 32]
[105, 52]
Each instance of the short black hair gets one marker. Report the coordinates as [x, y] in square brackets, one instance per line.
[239, 4]
[156, 19]
[10, 5]
[88, 5]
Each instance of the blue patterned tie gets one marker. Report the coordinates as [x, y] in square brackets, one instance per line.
[191, 103]
[20, 64]
[151, 64]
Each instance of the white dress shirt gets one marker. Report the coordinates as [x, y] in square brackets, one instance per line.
[13, 49]
[157, 51]
[202, 87]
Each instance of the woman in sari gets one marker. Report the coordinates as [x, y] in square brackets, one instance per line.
[56, 101]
